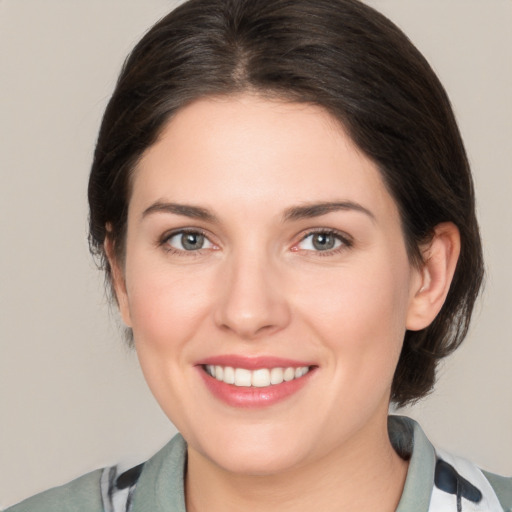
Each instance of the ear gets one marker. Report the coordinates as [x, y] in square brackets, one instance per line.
[430, 290]
[118, 281]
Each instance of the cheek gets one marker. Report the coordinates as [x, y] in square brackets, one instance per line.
[359, 313]
[165, 306]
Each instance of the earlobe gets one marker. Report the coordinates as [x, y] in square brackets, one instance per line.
[439, 263]
[118, 281]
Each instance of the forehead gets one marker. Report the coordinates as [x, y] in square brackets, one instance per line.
[254, 151]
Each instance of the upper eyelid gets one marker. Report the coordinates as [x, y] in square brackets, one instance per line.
[163, 240]
[340, 234]
[345, 237]
[173, 232]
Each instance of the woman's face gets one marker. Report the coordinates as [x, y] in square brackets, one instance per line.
[262, 245]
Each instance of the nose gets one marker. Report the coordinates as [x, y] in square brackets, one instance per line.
[252, 301]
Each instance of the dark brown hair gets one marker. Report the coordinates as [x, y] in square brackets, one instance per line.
[341, 55]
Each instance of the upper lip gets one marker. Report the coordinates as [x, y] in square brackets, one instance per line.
[252, 363]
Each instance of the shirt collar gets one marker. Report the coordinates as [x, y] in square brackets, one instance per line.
[408, 438]
[161, 484]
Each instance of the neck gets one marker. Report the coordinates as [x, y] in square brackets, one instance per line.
[363, 474]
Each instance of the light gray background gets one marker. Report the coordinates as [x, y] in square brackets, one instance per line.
[71, 396]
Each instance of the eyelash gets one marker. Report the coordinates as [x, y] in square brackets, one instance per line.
[346, 241]
[164, 242]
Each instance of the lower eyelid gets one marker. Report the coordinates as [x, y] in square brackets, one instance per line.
[344, 241]
[165, 240]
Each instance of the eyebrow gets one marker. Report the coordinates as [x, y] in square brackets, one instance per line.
[308, 211]
[294, 213]
[186, 210]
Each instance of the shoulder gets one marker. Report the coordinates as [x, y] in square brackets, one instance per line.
[440, 480]
[104, 490]
[463, 479]
[80, 495]
[110, 490]
[503, 488]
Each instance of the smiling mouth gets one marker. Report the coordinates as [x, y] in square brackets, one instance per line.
[259, 378]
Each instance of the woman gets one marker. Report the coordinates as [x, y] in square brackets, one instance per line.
[283, 206]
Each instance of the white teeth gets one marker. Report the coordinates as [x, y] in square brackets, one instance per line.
[289, 374]
[299, 372]
[229, 375]
[260, 378]
[276, 376]
[242, 377]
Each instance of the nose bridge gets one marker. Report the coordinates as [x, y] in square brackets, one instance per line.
[253, 301]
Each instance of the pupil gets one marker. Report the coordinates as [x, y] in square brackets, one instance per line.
[192, 241]
[323, 241]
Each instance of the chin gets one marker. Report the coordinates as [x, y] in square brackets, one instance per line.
[253, 453]
[264, 462]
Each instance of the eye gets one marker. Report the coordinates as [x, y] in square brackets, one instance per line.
[322, 241]
[188, 241]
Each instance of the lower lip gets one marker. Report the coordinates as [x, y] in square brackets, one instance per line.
[253, 397]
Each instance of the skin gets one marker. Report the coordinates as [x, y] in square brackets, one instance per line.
[259, 286]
